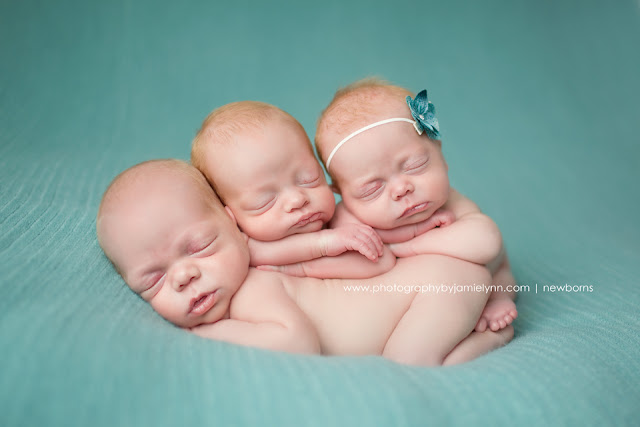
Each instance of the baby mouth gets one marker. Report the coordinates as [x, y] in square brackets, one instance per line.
[307, 219]
[415, 209]
[202, 303]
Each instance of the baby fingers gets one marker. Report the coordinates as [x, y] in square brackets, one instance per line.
[369, 244]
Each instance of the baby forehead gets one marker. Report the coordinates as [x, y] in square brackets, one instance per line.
[279, 131]
[370, 102]
[156, 216]
[258, 150]
[156, 189]
[352, 115]
[163, 185]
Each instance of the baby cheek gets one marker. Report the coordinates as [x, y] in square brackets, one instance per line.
[168, 309]
[374, 213]
[442, 185]
[382, 217]
[243, 222]
[247, 224]
[259, 228]
[324, 198]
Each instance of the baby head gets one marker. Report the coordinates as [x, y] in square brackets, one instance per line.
[260, 161]
[171, 240]
[387, 173]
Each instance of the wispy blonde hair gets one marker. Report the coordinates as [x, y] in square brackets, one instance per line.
[229, 122]
[358, 104]
[113, 194]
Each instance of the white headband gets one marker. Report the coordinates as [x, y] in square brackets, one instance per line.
[359, 131]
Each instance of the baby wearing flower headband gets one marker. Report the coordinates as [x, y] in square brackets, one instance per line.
[260, 162]
[383, 151]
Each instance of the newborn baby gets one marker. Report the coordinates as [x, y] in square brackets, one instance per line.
[260, 162]
[175, 245]
[384, 154]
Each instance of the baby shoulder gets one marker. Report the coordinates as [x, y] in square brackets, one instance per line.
[342, 216]
[460, 205]
[258, 286]
[260, 282]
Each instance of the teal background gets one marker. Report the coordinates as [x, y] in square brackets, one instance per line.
[538, 106]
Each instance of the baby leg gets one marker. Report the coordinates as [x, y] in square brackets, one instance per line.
[477, 344]
[437, 321]
[500, 310]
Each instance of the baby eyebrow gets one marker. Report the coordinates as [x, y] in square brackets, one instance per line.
[363, 182]
[196, 238]
[249, 196]
[367, 185]
[256, 202]
[405, 160]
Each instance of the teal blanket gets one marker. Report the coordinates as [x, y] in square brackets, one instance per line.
[538, 107]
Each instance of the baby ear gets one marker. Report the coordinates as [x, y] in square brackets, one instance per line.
[231, 215]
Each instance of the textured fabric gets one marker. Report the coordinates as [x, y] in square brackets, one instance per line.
[538, 106]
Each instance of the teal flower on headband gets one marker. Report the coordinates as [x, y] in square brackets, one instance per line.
[424, 113]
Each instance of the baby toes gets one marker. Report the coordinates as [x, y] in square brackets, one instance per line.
[481, 326]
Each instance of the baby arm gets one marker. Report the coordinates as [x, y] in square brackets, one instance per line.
[263, 315]
[349, 265]
[472, 237]
[440, 218]
[323, 243]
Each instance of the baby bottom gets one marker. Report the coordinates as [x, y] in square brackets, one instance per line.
[436, 323]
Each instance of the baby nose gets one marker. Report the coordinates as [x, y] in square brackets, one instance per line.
[295, 199]
[183, 276]
[401, 188]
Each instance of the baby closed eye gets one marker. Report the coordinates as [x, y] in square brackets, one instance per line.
[416, 166]
[309, 181]
[201, 248]
[370, 191]
[263, 205]
[151, 281]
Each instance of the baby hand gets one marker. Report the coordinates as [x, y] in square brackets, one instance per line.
[410, 247]
[351, 237]
[404, 233]
[440, 218]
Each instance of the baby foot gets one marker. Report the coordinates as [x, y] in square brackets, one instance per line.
[497, 314]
